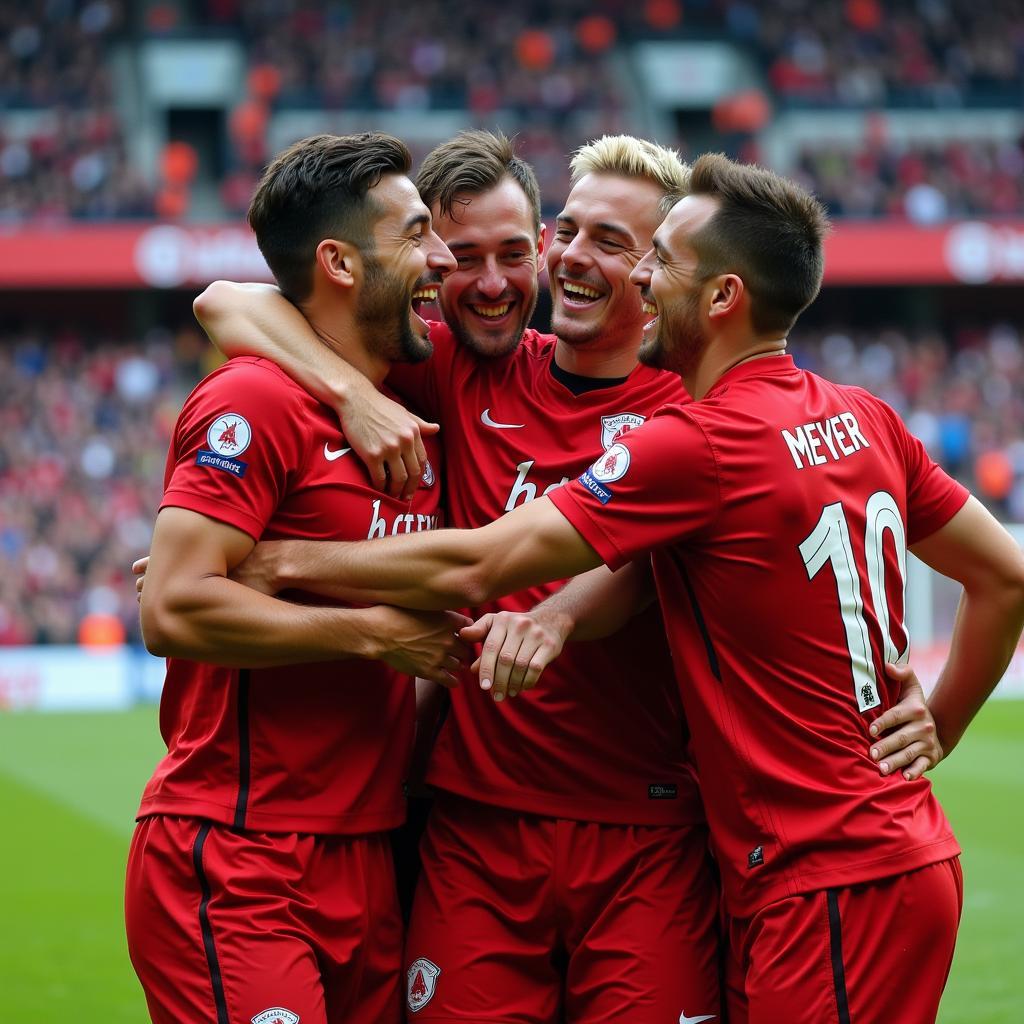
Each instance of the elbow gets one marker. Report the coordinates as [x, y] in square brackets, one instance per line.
[210, 301]
[161, 633]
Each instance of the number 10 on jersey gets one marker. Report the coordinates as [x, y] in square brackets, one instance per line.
[829, 543]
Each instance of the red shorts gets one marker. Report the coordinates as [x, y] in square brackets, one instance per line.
[226, 926]
[534, 920]
[871, 952]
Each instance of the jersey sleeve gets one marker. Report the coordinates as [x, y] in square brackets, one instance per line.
[657, 485]
[422, 385]
[933, 496]
[239, 439]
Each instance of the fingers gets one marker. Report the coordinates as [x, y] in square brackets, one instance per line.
[914, 759]
[426, 427]
[476, 632]
[488, 660]
[140, 565]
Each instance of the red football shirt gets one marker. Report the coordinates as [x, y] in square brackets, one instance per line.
[778, 509]
[603, 738]
[302, 748]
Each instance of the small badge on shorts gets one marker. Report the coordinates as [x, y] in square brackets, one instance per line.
[756, 857]
[276, 1015]
[421, 980]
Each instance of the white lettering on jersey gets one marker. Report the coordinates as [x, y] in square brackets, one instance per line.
[403, 522]
[524, 489]
[840, 435]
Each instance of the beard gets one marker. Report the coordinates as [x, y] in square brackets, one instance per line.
[679, 339]
[383, 312]
[491, 346]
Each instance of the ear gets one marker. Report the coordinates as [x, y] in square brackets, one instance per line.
[339, 261]
[728, 294]
[542, 235]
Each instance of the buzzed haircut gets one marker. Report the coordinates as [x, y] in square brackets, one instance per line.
[315, 189]
[471, 163]
[630, 157]
[767, 230]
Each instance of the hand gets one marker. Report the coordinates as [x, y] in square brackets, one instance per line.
[387, 438]
[517, 647]
[258, 570]
[139, 567]
[425, 644]
[909, 738]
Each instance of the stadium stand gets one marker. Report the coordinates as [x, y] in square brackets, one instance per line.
[117, 120]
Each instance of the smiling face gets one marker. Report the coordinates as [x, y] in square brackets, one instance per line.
[405, 267]
[489, 298]
[677, 336]
[601, 235]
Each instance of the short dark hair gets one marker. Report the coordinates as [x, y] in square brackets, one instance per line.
[316, 189]
[768, 230]
[473, 162]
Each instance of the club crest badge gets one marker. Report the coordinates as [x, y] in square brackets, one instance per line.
[229, 435]
[613, 427]
[421, 981]
[612, 465]
[276, 1015]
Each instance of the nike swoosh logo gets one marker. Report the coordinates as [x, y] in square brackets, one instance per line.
[683, 1019]
[331, 456]
[485, 419]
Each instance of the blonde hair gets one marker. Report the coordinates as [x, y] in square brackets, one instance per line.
[630, 157]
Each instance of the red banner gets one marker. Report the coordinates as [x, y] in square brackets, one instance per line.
[179, 256]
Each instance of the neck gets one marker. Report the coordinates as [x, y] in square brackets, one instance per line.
[338, 331]
[587, 362]
[720, 360]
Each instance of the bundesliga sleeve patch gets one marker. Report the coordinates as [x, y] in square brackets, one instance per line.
[229, 435]
[609, 467]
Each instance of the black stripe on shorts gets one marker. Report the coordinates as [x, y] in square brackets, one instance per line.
[835, 941]
[204, 926]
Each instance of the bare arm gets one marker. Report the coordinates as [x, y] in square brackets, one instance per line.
[974, 549]
[534, 543]
[190, 609]
[518, 646]
[257, 320]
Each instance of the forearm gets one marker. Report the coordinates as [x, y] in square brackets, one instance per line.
[598, 603]
[219, 621]
[441, 568]
[985, 636]
[257, 320]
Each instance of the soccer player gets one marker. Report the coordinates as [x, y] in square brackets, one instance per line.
[555, 874]
[776, 509]
[260, 885]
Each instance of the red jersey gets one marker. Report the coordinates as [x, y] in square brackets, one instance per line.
[778, 509]
[302, 748]
[603, 739]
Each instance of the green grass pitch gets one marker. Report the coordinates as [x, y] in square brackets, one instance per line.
[69, 785]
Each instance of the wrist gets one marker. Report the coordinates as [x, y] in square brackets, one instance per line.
[559, 622]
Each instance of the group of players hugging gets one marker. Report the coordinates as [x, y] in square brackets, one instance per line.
[687, 785]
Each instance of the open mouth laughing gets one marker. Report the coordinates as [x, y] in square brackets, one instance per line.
[578, 295]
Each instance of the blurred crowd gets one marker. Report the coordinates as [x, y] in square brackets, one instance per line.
[545, 61]
[85, 423]
[84, 428]
[925, 184]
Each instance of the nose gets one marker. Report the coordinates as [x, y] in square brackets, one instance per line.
[575, 254]
[492, 282]
[641, 273]
[440, 257]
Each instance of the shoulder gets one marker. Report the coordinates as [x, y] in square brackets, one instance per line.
[250, 387]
